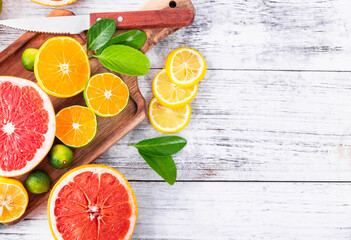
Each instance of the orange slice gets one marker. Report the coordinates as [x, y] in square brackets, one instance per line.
[13, 199]
[62, 67]
[54, 3]
[106, 94]
[76, 126]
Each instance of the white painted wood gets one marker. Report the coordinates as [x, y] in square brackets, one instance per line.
[226, 211]
[235, 34]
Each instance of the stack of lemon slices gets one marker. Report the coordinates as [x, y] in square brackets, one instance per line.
[174, 88]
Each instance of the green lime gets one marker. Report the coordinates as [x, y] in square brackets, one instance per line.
[60, 156]
[38, 181]
[28, 58]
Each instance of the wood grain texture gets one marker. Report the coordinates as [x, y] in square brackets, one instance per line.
[225, 211]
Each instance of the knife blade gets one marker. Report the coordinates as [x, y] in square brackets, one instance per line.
[125, 20]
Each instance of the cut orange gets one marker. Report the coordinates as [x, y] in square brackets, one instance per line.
[169, 94]
[13, 199]
[54, 3]
[62, 67]
[185, 67]
[92, 202]
[168, 120]
[76, 126]
[106, 94]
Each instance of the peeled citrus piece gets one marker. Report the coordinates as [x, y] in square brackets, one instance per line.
[168, 120]
[76, 126]
[106, 94]
[185, 67]
[13, 199]
[62, 67]
[54, 3]
[27, 125]
[92, 202]
[169, 94]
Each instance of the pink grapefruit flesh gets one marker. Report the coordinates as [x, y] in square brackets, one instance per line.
[92, 202]
[27, 125]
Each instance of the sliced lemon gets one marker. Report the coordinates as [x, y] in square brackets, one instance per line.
[13, 199]
[185, 67]
[169, 94]
[168, 120]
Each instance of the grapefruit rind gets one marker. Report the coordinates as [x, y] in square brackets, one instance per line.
[51, 3]
[49, 136]
[68, 177]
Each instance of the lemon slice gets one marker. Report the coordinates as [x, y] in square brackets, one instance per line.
[185, 67]
[13, 199]
[168, 120]
[169, 94]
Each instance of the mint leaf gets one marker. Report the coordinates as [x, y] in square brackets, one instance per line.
[161, 146]
[100, 33]
[134, 38]
[125, 60]
[163, 166]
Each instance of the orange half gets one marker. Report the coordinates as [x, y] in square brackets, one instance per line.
[62, 67]
[76, 126]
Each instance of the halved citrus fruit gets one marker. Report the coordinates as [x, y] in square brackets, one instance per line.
[54, 3]
[92, 202]
[27, 125]
[13, 199]
[168, 120]
[169, 94]
[185, 67]
[62, 67]
[106, 94]
[76, 126]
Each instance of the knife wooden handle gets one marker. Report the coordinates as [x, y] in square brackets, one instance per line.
[148, 19]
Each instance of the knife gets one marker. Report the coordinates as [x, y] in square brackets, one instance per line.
[125, 20]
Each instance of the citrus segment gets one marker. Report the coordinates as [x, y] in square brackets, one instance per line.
[168, 120]
[92, 202]
[169, 94]
[27, 125]
[54, 3]
[76, 126]
[13, 199]
[62, 67]
[185, 67]
[106, 94]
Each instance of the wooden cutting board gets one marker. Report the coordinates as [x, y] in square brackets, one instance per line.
[110, 130]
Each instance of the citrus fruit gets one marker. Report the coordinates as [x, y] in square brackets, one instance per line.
[168, 120]
[169, 94]
[62, 67]
[13, 199]
[106, 94]
[38, 181]
[60, 156]
[76, 126]
[185, 67]
[92, 202]
[27, 125]
[28, 58]
[54, 3]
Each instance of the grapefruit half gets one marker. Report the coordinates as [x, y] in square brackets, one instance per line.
[92, 202]
[27, 125]
[54, 3]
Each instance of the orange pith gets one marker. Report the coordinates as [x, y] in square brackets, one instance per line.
[62, 67]
[76, 126]
[106, 94]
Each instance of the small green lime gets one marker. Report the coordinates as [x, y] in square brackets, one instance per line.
[28, 58]
[60, 156]
[38, 181]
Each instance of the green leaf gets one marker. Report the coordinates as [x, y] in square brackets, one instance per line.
[100, 33]
[161, 146]
[134, 38]
[163, 166]
[125, 60]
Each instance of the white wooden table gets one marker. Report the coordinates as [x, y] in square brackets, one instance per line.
[269, 142]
